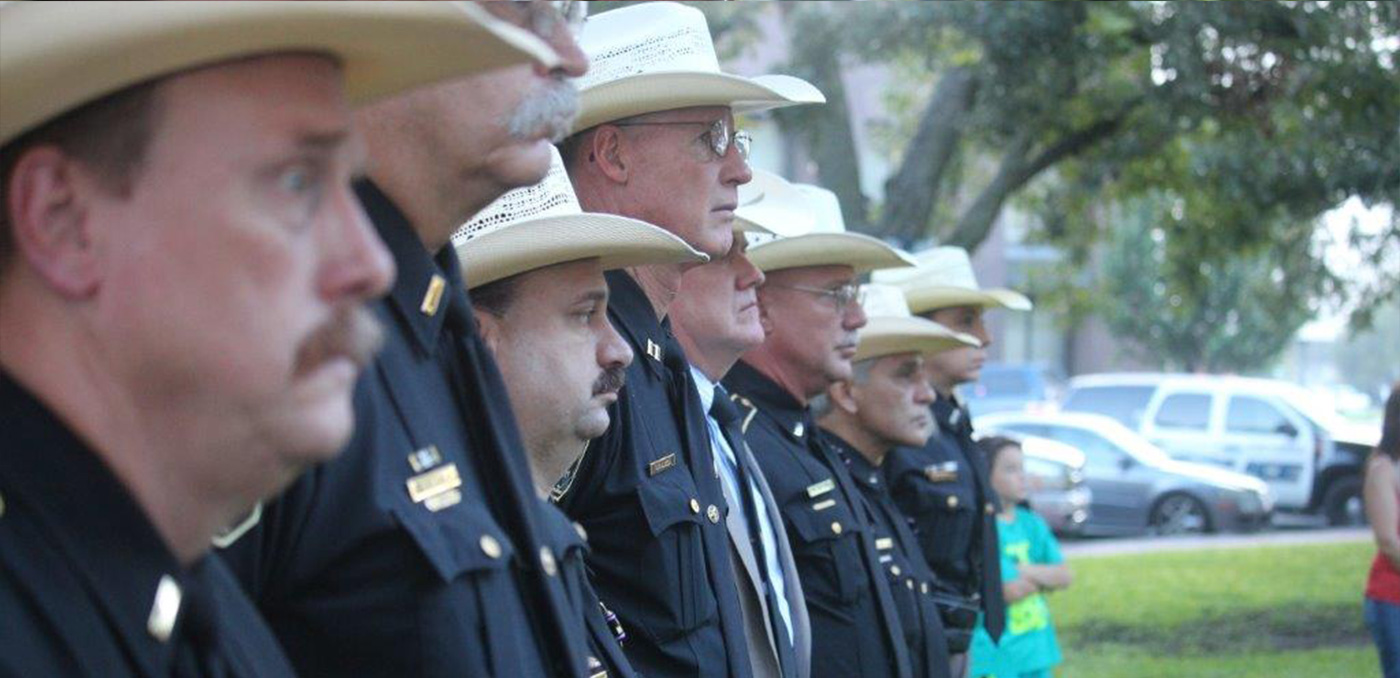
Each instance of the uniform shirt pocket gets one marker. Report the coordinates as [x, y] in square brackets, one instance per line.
[672, 568]
[826, 544]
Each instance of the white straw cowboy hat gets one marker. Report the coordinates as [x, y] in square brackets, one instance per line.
[944, 279]
[56, 56]
[658, 56]
[891, 329]
[825, 242]
[542, 225]
[764, 207]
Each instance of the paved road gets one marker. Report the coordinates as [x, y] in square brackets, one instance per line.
[1088, 548]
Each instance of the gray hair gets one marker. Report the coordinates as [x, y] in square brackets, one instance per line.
[821, 404]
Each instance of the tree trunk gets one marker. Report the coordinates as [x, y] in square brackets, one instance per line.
[913, 190]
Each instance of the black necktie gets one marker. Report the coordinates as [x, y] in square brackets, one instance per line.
[727, 416]
[197, 647]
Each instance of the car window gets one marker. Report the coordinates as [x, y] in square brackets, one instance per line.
[1004, 382]
[1252, 415]
[1184, 410]
[1124, 403]
[1098, 452]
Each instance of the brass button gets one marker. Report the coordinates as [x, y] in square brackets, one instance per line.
[490, 546]
[894, 570]
[909, 583]
[798, 430]
[836, 527]
[547, 561]
[713, 513]
[991, 510]
[952, 502]
[923, 588]
[694, 505]
[2, 505]
[582, 533]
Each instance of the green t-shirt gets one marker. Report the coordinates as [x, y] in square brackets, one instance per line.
[1028, 643]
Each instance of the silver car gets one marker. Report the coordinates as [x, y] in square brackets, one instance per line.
[1137, 487]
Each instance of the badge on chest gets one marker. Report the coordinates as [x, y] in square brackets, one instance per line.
[436, 485]
[946, 472]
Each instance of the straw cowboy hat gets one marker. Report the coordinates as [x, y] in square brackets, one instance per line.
[764, 207]
[825, 242]
[55, 56]
[892, 329]
[943, 279]
[542, 225]
[658, 56]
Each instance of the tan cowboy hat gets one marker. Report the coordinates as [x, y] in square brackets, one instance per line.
[892, 330]
[825, 242]
[764, 207]
[543, 225]
[55, 56]
[943, 279]
[658, 56]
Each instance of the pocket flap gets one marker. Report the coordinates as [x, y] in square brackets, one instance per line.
[666, 505]
[457, 540]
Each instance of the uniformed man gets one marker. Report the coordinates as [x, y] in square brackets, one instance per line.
[885, 404]
[658, 143]
[183, 273]
[942, 486]
[422, 549]
[810, 309]
[715, 318]
[534, 263]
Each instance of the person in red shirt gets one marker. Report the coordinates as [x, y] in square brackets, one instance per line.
[1382, 499]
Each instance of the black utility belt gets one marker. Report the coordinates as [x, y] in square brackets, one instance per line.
[959, 614]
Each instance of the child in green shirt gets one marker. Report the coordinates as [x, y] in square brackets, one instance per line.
[1030, 565]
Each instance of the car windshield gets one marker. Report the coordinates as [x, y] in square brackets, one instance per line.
[1133, 444]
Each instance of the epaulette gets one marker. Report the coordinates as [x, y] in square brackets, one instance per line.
[748, 405]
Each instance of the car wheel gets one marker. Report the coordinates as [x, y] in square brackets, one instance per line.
[1177, 514]
[1342, 502]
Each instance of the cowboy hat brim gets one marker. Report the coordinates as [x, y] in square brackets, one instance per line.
[927, 299]
[861, 252]
[56, 56]
[617, 242]
[667, 90]
[893, 336]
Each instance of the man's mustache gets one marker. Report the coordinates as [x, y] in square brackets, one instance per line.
[550, 110]
[353, 333]
[610, 381]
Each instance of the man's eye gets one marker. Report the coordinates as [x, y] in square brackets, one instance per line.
[296, 180]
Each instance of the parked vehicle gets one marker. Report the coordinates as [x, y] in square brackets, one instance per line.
[1004, 387]
[1267, 428]
[1136, 487]
[1058, 491]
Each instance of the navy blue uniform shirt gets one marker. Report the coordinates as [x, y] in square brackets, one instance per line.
[856, 632]
[649, 495]
[570, 542]
[88, 589]
[911, 581]
[944, 490]
[419, 550]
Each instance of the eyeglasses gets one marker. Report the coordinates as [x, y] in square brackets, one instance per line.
[719, 136]
[842, 295]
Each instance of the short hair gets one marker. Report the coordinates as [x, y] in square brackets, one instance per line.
[860, 373]
[496, 297]
[110, 135]
[1390, 426]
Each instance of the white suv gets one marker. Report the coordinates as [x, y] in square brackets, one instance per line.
[1239, 423]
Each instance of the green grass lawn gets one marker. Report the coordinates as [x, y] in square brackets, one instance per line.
[1266, 612]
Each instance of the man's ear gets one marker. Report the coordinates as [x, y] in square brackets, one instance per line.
[607, 150]
[490, 327]
[842, 397]
[51, 224]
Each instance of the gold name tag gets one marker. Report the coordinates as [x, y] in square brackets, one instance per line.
[817, 490]
[936, 476]
[447, 499]
[823, 505]
[663, 464]
[435, 482]
[884, 543]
